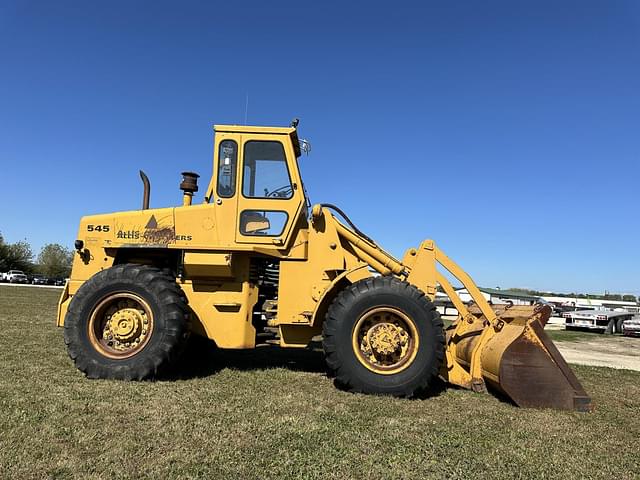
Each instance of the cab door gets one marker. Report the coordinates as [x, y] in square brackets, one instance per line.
[225, 185]
[270, 197]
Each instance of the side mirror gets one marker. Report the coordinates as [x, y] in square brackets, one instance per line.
[305, 146]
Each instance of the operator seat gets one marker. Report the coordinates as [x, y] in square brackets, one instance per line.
[254, 223]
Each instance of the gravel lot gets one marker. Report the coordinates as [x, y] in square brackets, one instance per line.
[603, 351]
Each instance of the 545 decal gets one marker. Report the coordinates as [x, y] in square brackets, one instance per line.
[97, 228]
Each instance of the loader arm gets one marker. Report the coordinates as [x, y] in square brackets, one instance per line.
[497, 345]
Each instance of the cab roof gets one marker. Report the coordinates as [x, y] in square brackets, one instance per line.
[253, 129]
[291, 131]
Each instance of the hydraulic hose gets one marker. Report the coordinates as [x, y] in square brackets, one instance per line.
[330, 206]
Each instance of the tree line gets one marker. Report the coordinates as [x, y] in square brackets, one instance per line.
[54, 260]
[604, 296]
[537, 293]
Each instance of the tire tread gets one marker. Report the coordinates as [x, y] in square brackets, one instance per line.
[149, 362]
[337, 314]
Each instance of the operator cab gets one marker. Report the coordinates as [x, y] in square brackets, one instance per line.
[257, 182]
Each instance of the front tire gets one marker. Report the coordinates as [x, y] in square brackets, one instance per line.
[128, 322]
[383, 336]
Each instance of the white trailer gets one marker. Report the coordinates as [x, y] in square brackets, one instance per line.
[605, 320]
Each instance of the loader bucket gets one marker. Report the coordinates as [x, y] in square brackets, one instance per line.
[519, 359]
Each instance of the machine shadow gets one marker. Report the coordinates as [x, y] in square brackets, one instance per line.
[202, 358]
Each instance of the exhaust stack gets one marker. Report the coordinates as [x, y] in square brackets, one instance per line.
[147, 190]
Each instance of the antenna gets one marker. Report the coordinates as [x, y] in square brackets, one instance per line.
[246, 108]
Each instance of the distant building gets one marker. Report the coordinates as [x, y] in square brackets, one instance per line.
[592, 303]
[497, 296]
[492, 295]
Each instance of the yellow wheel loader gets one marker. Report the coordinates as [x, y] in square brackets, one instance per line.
[255, 263]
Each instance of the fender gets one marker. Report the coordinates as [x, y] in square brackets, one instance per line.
[339, 283]
[300, 335]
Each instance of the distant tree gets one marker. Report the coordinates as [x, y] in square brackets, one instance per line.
[55, 260]
[612, 296]
[3, 254]
[606, 296]
[16, 256]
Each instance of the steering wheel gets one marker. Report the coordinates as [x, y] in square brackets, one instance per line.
[281, 192]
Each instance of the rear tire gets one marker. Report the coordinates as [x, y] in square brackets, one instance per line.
[128, 322]
[383, 336]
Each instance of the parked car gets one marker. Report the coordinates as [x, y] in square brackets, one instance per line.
[631, 327]
[39, 280]
[16, 276]
[604, 320]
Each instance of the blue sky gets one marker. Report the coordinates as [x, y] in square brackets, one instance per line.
[506, 131]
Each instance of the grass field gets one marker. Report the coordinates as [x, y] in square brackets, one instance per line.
[273, 414]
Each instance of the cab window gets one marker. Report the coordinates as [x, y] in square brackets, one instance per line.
[265, 173]
[227, 167]
[268, 223]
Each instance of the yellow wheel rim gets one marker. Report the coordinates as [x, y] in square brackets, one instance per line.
[120, 325]
[385, 340]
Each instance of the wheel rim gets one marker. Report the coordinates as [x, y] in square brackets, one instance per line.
[120, 325]
[385, 340]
